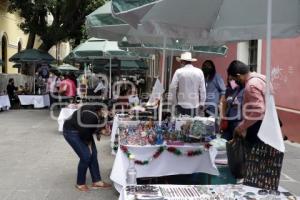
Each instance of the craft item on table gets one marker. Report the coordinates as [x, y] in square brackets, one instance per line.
[198, 129]
[263, 167]
[159, 135]
[203, 129]
[185, 128]
[219, 143]
[152, 137]
[210, 126]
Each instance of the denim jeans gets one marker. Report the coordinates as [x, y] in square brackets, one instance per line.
[88, 158]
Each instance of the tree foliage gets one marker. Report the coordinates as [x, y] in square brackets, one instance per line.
[68, 18]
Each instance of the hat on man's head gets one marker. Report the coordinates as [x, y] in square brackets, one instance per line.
[187, 56]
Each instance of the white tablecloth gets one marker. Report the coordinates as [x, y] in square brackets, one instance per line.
[166, 164]
[4, 102]
[38, 101]
[221, 188]
[64, 114]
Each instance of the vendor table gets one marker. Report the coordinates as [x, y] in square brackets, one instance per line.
[38, 101]
[4, 102]
[64, 114]
[203, 192]
[166, 164]
[119, 120]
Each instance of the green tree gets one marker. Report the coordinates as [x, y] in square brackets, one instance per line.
[68, 19]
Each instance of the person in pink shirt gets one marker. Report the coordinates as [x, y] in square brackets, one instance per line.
[253, 108]
[67, 88]
[257, 154]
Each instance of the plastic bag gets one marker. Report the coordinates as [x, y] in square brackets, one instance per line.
[236, 154]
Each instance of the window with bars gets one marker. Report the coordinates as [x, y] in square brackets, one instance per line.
[253, 45]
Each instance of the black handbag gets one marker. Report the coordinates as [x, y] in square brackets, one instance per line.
[236, 150]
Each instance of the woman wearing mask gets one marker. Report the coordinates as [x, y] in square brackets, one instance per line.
[231, 109]
[78, 132]
[215, 88]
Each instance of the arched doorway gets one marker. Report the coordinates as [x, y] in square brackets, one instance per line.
[4, 53]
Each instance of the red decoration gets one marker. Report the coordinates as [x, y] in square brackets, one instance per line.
[171, 149]
[190, 153]
[207, 145]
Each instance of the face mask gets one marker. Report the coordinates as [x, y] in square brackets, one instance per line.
[233, 84]
[239, 83]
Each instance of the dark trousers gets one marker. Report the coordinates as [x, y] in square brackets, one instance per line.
[88, 158]
[252, 132]
[187, 111]
[53, 97]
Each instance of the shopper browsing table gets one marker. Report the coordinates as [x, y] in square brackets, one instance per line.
[78, 132]
[188, 86]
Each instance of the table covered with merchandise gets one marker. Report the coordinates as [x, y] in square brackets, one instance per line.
[160, 150]
[38, 101]
[201, 192]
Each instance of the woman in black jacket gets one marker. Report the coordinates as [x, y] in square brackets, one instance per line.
[78, 132]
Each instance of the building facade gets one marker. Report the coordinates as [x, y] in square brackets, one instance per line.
[13, 40]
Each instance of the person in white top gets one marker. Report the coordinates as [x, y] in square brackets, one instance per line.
[100, 89]
[133, 98]
[187, 88]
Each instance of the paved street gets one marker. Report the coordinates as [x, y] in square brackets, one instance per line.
[37, 164]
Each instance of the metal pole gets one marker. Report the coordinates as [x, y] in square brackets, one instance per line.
[171, 67]
[162, 80]
[34, 78]
[268, 49]
[110, 76]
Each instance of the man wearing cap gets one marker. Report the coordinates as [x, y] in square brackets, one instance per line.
[188, 87]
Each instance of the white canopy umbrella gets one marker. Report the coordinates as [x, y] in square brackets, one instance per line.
[210, 21]
[220, 21]
[101, 23]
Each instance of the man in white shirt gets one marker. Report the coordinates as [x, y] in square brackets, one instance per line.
[100, 89]
[133, 98]
[187, 89]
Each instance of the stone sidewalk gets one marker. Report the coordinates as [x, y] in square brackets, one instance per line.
[37, 164]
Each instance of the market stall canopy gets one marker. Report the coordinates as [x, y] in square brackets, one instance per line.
[95, 48]
[32, 55]
[177, 49]
[132, 65]
[210, 21]
[64, 67]
[101, 23]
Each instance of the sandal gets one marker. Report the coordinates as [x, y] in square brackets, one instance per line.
[82, 188]
[101, 185]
